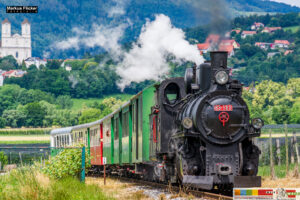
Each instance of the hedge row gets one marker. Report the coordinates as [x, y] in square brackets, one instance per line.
[25, 131]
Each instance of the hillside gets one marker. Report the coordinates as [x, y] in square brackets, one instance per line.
[56, 19]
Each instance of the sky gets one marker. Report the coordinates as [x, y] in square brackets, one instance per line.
[290, 2]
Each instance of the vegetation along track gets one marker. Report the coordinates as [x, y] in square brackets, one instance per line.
[172, 188]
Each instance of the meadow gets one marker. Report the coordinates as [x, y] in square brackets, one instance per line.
[27, 183]
[79, 104]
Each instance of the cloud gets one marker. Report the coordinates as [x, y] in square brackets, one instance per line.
[106, 37]
[147, 60]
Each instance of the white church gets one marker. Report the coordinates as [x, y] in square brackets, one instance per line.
[16, 45]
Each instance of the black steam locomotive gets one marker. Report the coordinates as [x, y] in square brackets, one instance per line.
[211, 143]
[194, 131]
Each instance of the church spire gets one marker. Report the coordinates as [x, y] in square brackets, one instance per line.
[5, 21]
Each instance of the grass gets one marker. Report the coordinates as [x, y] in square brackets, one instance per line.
[293, 29]
[78, 104]
[27, 183]
[280, 171]
[26, 142]
[25, 131]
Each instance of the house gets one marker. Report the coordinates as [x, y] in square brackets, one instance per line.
[229, 48]
[270, 29]
[272, 54]
[230, 42]
[248, 33]
[288, 52]
[281, 44]
[237, 31]
[204, 48]
[257, 25]
[35, 61]
[14, 73]
[264, 45]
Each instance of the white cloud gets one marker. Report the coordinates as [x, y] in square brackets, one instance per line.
[289, 2]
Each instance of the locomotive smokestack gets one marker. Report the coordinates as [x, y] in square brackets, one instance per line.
[219, 59]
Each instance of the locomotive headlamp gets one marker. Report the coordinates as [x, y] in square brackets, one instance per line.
[257, 123]
[221, 77]
[187, 123]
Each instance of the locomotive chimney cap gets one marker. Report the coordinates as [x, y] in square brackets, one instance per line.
[219, 59]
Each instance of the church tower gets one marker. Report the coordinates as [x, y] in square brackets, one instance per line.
[26, 33]
[6, 29]
[25, 28]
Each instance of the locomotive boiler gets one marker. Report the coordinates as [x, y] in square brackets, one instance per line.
[193, 130]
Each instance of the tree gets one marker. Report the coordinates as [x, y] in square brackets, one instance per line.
[35, 114]
[89, 115]
[295, 112]
[64, 101]
[8, 63]
[2, 122]
[15, 118]
[53, 64]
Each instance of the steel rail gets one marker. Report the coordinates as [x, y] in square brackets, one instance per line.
[172, 188]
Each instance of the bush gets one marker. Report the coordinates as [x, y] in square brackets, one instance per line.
[67, 163]
[3, 159]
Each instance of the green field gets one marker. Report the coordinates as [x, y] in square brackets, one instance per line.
[25, 142]
[294, 29]
[280, 171]
[78, 104]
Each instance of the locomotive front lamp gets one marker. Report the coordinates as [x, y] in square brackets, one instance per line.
[221, 77]
[187, 123]
[257, 123]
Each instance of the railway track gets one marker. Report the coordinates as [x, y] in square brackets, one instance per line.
[172, 188]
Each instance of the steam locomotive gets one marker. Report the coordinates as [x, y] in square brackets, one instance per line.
[194, 131]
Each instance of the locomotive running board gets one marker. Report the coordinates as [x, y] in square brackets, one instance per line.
[247, 181]
[202, 182]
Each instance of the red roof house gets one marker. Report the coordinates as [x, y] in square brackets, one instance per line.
[230, 42]
[257, 25]
[204, 47]
[229, 48]
[271, 29]
[281, 44]
[248, 33]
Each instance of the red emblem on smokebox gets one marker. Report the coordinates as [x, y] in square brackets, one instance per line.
[223, 117]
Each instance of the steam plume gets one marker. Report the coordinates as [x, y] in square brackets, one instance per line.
[147, 59]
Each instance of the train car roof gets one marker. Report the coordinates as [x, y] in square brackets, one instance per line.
[61, 130]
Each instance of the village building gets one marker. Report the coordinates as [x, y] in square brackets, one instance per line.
[264, 45]
[35, 61]
[228, 48]
[271, 29]
[272, 54]
[288, 52]
[14, 73]
[281, 44]
[19, 46]
[257, 25]
[203, 48]
[247, 33]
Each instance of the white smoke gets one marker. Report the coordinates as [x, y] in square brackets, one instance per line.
[147, 60]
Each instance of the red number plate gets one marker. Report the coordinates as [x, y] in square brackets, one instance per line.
[223, 107]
